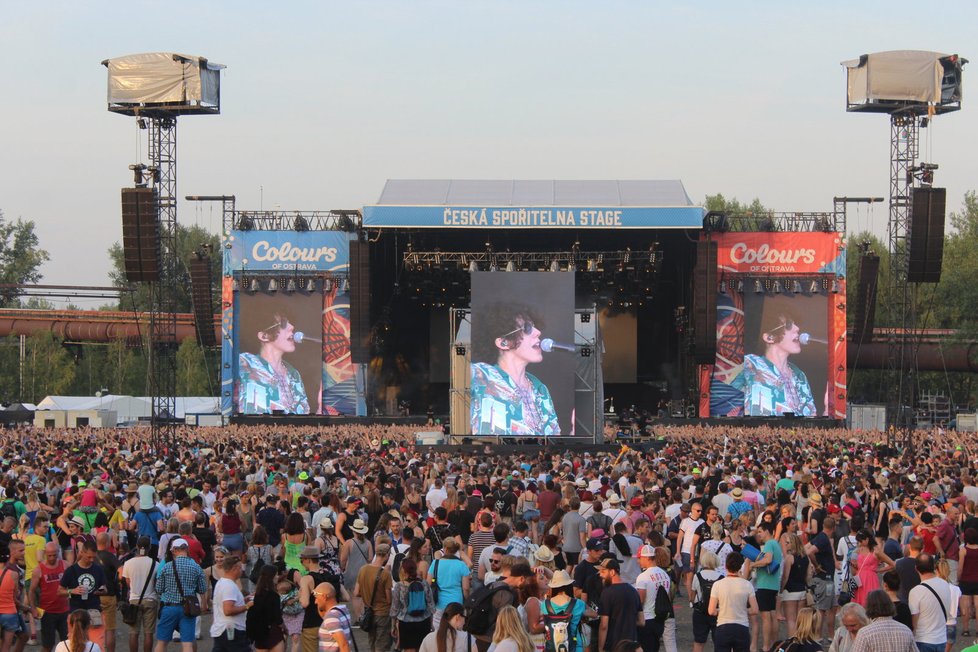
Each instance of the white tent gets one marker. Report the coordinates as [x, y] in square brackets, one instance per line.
[130, 409]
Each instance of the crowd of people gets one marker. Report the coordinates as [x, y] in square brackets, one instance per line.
[290, 538]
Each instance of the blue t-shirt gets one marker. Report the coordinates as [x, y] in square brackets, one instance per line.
[766, 579]
[450, 572]
[577, 613]
[146, 524]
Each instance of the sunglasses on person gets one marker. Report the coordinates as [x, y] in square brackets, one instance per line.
[282, 323]
[527, 329]
[787, 325]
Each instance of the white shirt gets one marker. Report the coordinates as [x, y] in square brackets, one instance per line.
[435, 497]
[462, 642]
[322, 513]
[649, 581]
[616, 515]
[931, 624]
[689, 526]
[672, 511]
[136, 572]
[846, 547]
[732, 595]
[227, 590]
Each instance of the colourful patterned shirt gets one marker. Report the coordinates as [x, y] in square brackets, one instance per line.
[261, 390]
[767, 393]
[499, 407]
[335, 621]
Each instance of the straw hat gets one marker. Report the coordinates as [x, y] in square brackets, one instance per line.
[359, 526]
[544, 554]
[560, 578]
[815, 500]
[614, 499]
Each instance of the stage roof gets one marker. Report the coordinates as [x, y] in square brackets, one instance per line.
[488, 203]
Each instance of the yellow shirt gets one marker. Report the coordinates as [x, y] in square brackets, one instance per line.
[32, 543]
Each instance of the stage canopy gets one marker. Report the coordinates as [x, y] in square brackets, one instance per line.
[533, 204]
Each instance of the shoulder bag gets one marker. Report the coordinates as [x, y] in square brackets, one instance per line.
[191, 604]
[366, 622]
[130, 611]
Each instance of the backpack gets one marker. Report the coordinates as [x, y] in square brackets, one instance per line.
[256, 569]
[663, 605]
[706, 587]
[8, 509]
[558, 636]
[417, 605]
[480, 615]
[396, 564]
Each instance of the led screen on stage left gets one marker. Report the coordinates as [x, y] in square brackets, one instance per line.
[275, 373]
[517, 389]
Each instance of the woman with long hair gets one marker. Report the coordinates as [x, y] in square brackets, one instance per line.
[806, 636]
[264, 622]
[419, 550]
[448, 636]
[510, 634]
[411, 624]
[231, 527]
[453, 577]
[294, 540]
[374, 508]
[78, 623]
[869, 558]
[259, 548]
[795, 576]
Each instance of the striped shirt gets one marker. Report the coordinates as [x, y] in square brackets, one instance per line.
[336, 620]
[191, 578]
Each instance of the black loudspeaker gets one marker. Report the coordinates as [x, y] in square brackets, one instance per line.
[140, 235]
[359, 302]
[864, 316]
[705, 303]
[202, 299]
[927, 235]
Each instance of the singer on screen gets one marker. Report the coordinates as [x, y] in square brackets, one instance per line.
[505, 398]
[771, 384]
[266, 382]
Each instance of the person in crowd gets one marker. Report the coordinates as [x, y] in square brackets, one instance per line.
[79, 622]
[805, 638]
[891, 584]
[560, 603]
[373, 587]
[412, 607]
[732, 602]
[139, 576]
[84, 583]
[882, 633]
[45, 596]
[767, 581]
[505, 398]
[852, 617]
[335, 634]
[176, 580]
[449, 635]
[968, 580]
[453, 578]
[229, 624]
[264, 620]
[703, 580]
[510, 634]
[870, 561]
[795, 577]
[621, 609]
[266, 381]
[930, 606]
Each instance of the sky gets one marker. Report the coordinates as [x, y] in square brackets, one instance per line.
[323, 101]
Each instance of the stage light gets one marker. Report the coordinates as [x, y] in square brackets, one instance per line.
[273, 286]
[235, 286]
[253, 286]
[327, 285]
[493, 267]
[510, 267]
[245, 223]
[813, 288]
[757, 286]
[592, 266]
[586, 352]
[585, 317]
[796, 287]
[572, 267]
[311, 285]
[473, 267]
[723, 287]
[777, 287]
[290, 287]
[835, 286]
[459, 350]
[554, 266]
[300, 224]
[740, 287]
[344, 286]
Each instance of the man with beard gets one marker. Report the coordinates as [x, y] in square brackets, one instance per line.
[620, 609]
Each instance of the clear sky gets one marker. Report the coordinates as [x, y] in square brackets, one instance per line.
[324, 101]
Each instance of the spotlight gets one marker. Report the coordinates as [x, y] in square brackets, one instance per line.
[473, 267]
[592, 266]
[757, 286]
[510, 267]
[327, 285]
[554, 266]
[777, 287]
[459, 350]
[253, 286]
[723, 287]
[813, 287]
[344, 286]
[311, 285]
[301, 224]
[835, 286]
[493, 267]
[796, 287]
[572, 267]
[235, 286]
[290, 287]
[273, 286]
[585, 317]
[245, 223]
[740, 287]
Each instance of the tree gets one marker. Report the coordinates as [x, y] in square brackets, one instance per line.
[189, 239]
[192, 372]
[720, 203]
[20, 257]
[50, 368]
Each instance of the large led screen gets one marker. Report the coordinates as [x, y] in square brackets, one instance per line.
[518, 387]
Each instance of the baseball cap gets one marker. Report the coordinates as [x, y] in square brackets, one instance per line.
[636, 502]
[609, 564]
[180, 543]
[595, 544]
[646, 551]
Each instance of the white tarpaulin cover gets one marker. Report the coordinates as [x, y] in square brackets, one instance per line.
[131, 408]
[163, 78]
[896, 76]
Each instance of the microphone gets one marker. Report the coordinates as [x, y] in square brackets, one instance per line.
[549, 345]
[299, 337]
[805, 338]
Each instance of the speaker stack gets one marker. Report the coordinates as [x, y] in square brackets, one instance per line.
[359, 302]
[705, 303]
[927, 235]
[140, 235]
[864, 317]
[202, 299]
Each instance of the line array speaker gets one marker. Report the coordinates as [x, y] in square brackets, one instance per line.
[705, 303]
[202, 298]
[864, 317]
[359, 302]
[140, 235]
[927, 235]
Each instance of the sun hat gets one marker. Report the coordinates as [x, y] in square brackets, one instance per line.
[559, 579]
[737, 493]
[325, 524]
[310, 552]
[303, 476]
[359, 526]
[544, 554]
[614, 499]
[77, 521]
[815, 499]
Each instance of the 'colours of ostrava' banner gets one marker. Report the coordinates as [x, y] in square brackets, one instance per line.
[781, 326]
